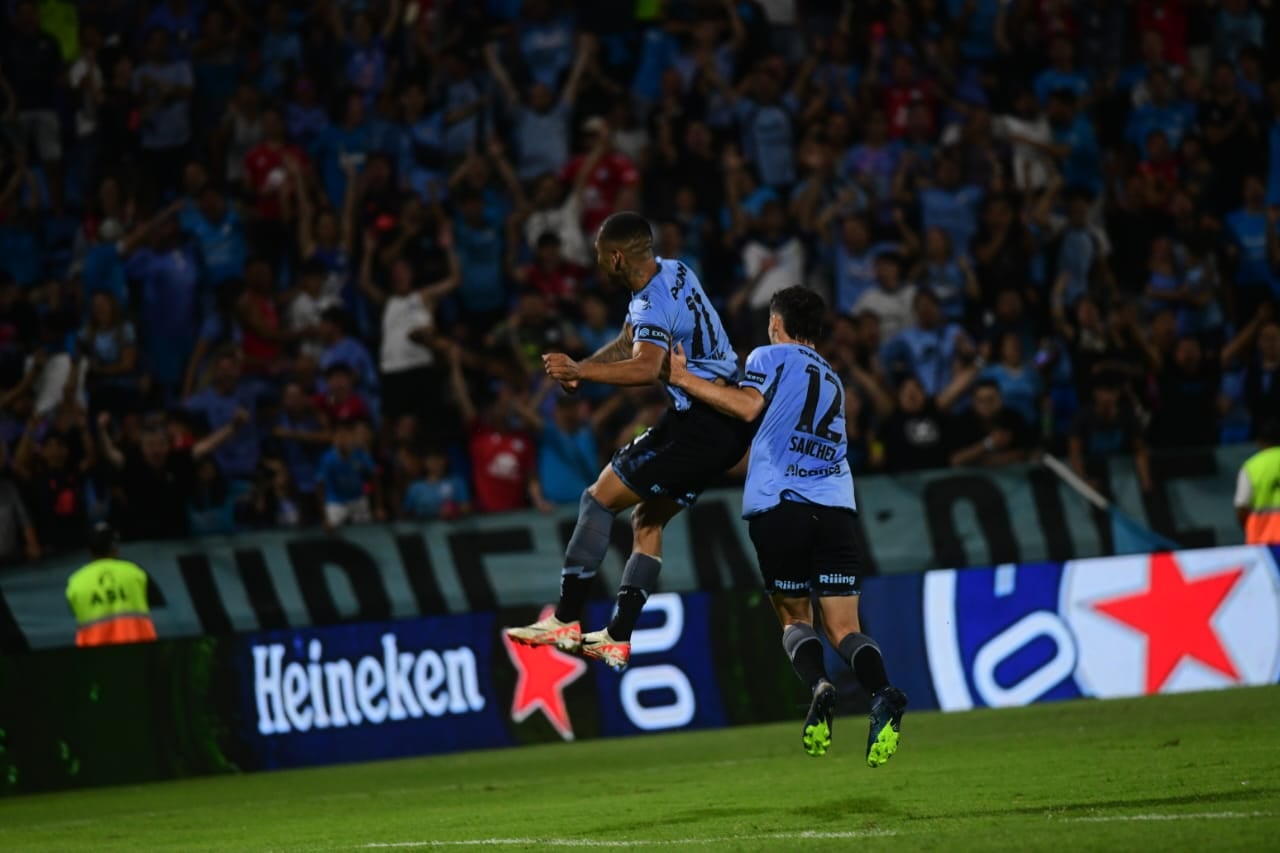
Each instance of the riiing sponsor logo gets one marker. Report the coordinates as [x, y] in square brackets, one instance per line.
[823, 450]
[370, 690]
[837, 579]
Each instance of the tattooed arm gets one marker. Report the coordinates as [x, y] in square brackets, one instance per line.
[616, 350]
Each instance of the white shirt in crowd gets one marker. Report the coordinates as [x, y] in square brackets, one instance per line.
[401, 317]
[894, 308]
[564, 222]
[50, 385]
[87, 106]
[304, 313]
[788, 269]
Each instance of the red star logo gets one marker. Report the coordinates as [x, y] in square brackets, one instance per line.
[542, 674]
[1175, 615]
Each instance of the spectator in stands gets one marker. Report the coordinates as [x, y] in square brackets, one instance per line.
[339, 400]
[503, 453]
[437, 492]
[533, 328]
[166, 270]
[347, 484]
[1106, 426]
[744, 136]
[409, 335]
[18, 537]
[108, 343]
[340, 347]
[1020, 385]
[928, 348]
[156, 477]
[229, 400]
[568, 455]
[32, 65]
[273, 500]
[773, 258]
[890, 301]
[1187, 401]
[301, 438]
[51, 462]
[989, 434]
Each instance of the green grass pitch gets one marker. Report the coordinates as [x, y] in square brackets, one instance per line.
[1188, 772]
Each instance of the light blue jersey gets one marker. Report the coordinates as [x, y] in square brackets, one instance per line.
[800, 449]
[672, 307]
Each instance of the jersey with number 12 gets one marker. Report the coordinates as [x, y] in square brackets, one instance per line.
[800, 450]
[673, 308]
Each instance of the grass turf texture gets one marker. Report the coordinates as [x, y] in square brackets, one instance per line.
[1195, 771]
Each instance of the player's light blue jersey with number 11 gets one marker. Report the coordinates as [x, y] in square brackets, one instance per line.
[800, 450]
[673, 308]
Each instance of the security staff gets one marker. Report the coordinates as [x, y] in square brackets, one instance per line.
[1258, 489]
[109, 596]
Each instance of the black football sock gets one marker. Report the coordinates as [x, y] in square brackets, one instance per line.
[586, 551]
[868, 664]
[803, 647]
[639, 578]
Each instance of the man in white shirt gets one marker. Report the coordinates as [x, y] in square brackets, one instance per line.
[890, 300]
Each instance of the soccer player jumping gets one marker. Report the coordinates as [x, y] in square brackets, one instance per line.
[666, 468]
[800, 506]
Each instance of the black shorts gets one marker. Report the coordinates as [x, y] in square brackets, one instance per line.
[807, 547]
[683, 454]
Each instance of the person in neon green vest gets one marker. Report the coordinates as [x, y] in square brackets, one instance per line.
[108, 596]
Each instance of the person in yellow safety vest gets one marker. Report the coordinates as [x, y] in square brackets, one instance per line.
[109, 596]
[1258, 489]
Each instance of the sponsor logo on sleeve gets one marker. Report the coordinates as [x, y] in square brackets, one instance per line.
[652, 333]
[755, 377]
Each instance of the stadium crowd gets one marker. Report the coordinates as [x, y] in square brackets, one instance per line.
[295, 262]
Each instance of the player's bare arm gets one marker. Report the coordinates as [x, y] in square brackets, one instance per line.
[643, 367]
[742, 403]
[616, 350]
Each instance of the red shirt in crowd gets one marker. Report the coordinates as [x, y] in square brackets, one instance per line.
[264, 171]
[1169, 19]
[613, 173]
[560, 283]
[501, 464]
[352, 408]
[898, 100]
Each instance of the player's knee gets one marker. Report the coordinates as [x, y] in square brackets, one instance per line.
[610, 492]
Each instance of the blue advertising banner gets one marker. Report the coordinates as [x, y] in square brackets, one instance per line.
[366, 691]
[1102, 628]
[670, 682]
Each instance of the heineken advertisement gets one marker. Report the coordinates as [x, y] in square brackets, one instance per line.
[911, 523]
[953, 639]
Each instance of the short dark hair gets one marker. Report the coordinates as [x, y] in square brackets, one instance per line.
[802, 312]
[312, 268]
[337, 316]
[103, 540]
[1269, 431]
[986, 383]
[629, 231]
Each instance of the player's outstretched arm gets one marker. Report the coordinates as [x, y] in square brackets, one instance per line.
[616, 350]
[743, 403]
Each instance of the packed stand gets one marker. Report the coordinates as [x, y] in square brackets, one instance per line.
[296, 262]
